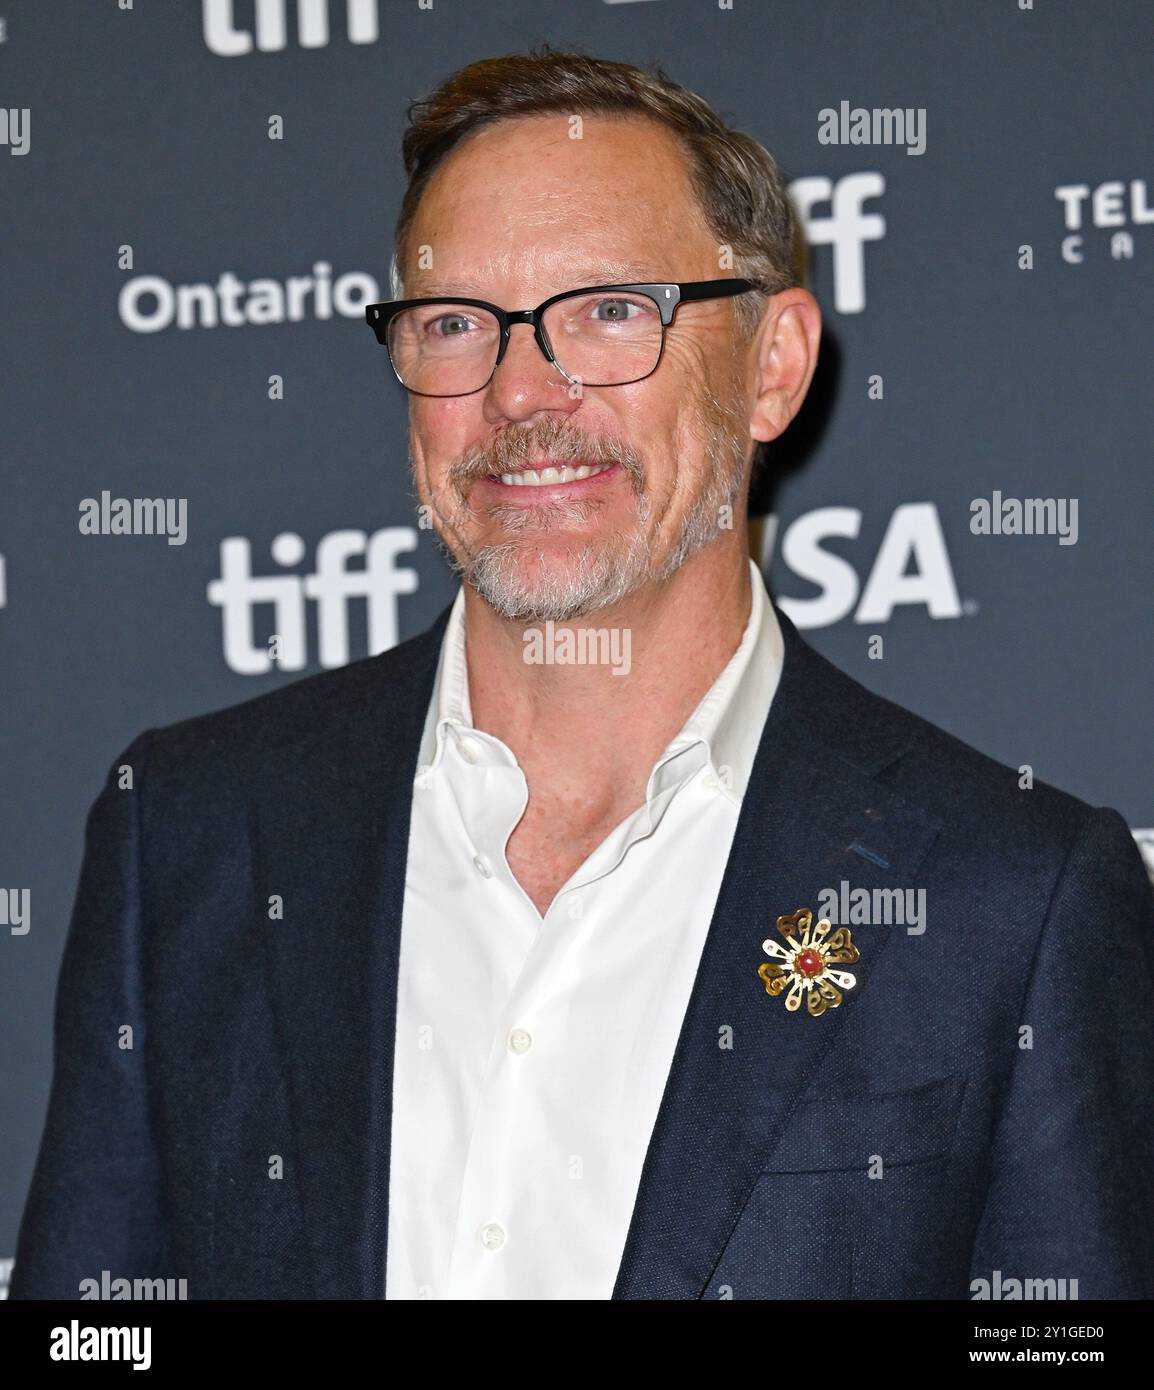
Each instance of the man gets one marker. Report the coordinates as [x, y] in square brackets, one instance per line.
[443, 975]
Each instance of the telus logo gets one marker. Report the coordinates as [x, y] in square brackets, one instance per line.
[913, 541]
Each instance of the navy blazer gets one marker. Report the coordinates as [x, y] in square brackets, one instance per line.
[998, 1064]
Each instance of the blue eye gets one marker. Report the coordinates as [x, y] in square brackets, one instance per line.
[618, 310]
[449, 319]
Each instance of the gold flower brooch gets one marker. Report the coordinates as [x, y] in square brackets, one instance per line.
[806, 960]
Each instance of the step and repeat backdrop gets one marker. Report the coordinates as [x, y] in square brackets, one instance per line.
[202, 443]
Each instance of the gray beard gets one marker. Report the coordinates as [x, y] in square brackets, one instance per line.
[595, 577]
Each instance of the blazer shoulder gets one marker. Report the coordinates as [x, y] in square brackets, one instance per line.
[932, 767]
[310, 715]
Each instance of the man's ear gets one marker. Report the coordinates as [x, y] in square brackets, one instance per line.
[785, 356]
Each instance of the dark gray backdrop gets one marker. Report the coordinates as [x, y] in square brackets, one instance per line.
[148, 128]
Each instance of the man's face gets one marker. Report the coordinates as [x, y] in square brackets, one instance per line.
[520, 212]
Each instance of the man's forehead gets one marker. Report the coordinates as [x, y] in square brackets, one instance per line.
[632, 169]
[563, 272]
[557, 237]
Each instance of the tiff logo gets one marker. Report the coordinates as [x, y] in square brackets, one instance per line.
[379, 581]
[846, 229]
[228, 39]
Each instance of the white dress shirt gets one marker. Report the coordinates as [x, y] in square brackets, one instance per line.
[532, 1052]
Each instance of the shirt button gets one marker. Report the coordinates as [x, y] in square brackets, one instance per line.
[520, 1040]
[468, 750]
[710, 784]
[482, 865]
[492, 1236]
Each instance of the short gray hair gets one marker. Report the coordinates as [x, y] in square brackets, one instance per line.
[741, 189]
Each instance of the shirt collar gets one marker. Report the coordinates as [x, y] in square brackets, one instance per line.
[724, 730]
[449, 707]
[727, 724]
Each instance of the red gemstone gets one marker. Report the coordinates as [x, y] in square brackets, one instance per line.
[809, 963]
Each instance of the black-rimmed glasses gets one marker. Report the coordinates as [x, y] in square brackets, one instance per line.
[605, 335]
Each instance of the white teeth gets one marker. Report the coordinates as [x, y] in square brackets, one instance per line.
[541, 477]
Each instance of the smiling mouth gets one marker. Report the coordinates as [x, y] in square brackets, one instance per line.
[546, 477]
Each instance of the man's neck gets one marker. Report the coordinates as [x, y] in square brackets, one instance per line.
[585, 736]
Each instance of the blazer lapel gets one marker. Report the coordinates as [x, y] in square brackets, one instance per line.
[331, 838]
[812, 807]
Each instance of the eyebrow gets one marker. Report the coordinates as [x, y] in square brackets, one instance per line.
[607, 273]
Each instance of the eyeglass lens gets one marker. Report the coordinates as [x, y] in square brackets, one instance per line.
[607, 338]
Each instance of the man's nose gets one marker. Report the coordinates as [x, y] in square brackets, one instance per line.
[526, 381]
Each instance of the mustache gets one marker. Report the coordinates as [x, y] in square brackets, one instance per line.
[511, 451]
